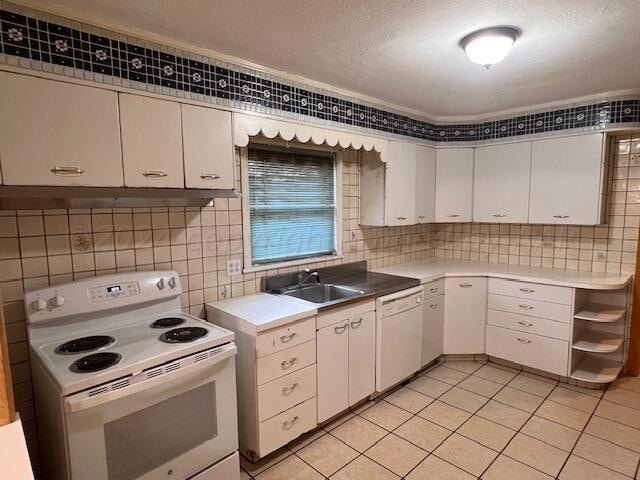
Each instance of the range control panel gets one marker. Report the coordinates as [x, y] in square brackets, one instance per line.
[107, 292]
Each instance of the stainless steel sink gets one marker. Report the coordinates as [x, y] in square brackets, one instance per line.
[322, 293]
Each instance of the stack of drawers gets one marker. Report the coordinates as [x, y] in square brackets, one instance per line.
[286, 381]
[529, 324]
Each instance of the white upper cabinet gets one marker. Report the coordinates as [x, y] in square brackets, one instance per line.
[454, 184]
[566, 180]
[208, 147]
[400, 193]
[55, 133]
[425, 184]
[151, 142]
[501, 183]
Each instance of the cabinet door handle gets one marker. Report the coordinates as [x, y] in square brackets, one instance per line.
[154, 174]
[525, 307]
[523, 340]
[561, 216]
[209, 176]
[433, 289]
[434, 305]
[527, 290]
[525, 324]
[499, 215]
[67, 171]
[401, 218]
[341, 329]
[422, 216]
[286, 425]
[289, 390]
[356, 323]
[287, 338]
[465, 285]
[287, 364]
[453, 215]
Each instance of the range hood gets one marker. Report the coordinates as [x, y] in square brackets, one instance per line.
[31, 198]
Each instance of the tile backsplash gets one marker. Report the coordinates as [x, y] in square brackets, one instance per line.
[40, 248]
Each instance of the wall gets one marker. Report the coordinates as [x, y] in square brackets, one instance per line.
[40, 248]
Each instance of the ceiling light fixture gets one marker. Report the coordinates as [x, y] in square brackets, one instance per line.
[489, 45]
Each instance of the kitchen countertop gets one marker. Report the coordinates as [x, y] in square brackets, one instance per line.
[436, 268]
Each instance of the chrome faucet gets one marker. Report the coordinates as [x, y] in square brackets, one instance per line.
[303, 279]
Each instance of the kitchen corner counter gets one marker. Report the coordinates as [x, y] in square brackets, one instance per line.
[264, 310]
[436, 268]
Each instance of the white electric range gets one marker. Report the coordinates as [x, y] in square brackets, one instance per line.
[127, 385]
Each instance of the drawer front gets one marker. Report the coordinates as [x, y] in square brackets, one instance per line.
[281, 429]
[433, 289]
[522, 323]
[546, 354]
[336, 315]
[281, 338]
[530, 308]
[533, 291]
[286, 361]
[285, 392]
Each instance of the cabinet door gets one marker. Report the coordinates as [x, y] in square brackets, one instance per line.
[362, 357]
[566, 180]
[151, 142]
[400, 184]
[432, 329]
[501, 183]
[208, 147]
[454, 184]
[333, 370]
[425, 184]
[464, 315]
[56, 133]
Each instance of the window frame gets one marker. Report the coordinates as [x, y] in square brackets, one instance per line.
[246, 213]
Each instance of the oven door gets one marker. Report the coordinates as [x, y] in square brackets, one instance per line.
[167, 422]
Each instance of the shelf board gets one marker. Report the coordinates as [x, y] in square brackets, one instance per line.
[598, 342]
[596, 370]
[597, 312]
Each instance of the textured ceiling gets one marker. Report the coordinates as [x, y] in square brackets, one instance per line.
[405, 52]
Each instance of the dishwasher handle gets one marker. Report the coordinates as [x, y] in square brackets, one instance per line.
[401, 301]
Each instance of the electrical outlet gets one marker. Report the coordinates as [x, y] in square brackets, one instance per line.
[234, 267]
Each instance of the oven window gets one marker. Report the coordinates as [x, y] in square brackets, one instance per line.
[142, 441]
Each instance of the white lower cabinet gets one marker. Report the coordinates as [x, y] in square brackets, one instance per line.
[346, 359]
[465, 312]
[433, 321]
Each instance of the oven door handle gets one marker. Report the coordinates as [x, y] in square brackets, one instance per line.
[82, 401]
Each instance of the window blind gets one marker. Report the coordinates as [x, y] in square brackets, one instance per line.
[292, 204]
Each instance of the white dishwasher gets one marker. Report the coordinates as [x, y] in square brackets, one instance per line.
[398, 336]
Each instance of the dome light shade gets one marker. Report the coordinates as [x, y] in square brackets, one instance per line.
[490, 45]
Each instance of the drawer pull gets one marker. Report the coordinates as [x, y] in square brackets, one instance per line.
[525, 324]
[286, 425]
[287, 364]
[525, 307]
[422, 216]
[341, 329]
[453, 215]
[434, 305]
[499, 215]
[154, 174]
[287, 338]
[524, 340]
[67, 171]
[433, 289]
[465, 285]
[209, 176]
[401, 218]
[356, 323]
[527, 290]
[289, 390]
[561, 216]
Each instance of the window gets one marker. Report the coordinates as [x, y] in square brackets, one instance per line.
[292, 203]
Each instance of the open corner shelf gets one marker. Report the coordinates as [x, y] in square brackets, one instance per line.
[597, 312]
[596, 370]
[598, 342]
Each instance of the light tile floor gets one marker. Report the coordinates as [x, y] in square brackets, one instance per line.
[470, 420]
